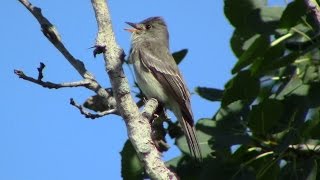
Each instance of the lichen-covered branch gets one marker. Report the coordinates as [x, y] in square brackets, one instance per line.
[53, 36]
[150, 108]
[139, 130]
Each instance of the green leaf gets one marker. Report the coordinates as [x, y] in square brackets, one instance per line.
[179, 55]
[303, 38]
[203, 137]
[253, 15]
[242, 87]
[292, 14]
[300, 168]
[227, 133]
[296, 110]
[211, 94]
[311, 73]
[267, 168]
[131, 167]
[311, 128]
[173, 163]
[294, 87]
[217, 169]
[271, 54]
[313, 173]
[257, 48]
[182, 144]
[255, 159]
[232, 109]
[314, 132]
[314, 95]
[185, 167]
[229, 129]
[202, 126]
[244, 152]
[241, 41]
[264, 116]
[214, 135]
[264, 20]
[285, 139]
[281, 62]
[237, 11]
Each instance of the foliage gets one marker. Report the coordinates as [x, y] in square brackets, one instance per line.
[268, 124]
[131, 166]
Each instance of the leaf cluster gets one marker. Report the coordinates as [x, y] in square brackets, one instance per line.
[268, 124]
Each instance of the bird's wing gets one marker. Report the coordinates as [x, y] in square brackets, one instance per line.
[162, 65]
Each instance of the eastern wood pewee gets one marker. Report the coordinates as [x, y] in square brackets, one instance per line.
[158, 75]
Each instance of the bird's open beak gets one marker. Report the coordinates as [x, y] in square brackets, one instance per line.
[134, 29]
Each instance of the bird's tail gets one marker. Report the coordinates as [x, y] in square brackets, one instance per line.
[192, 140]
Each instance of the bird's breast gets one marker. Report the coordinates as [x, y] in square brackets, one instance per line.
[149, 85]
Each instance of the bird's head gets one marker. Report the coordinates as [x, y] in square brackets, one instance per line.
[153, 28]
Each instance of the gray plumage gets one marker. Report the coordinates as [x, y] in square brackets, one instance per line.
[158, 75]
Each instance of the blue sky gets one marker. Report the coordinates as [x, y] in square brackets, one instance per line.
[42, 136]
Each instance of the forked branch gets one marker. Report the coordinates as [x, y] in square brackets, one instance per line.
[121, 101]
[53, 36]
[47, 84]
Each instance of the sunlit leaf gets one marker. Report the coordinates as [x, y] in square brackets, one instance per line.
[264, 20]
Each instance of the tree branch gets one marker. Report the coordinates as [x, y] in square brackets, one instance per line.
[48, 84]
[53, 36]
[90, 115]
[314, 8]
[139, 130]
[150, 108]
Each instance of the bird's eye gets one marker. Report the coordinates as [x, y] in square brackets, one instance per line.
[148, 26]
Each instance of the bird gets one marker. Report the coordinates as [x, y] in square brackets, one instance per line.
[158, 76]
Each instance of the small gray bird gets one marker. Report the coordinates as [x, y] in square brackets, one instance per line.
[158, 75]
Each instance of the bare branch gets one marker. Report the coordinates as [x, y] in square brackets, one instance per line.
[150, 108]
[87, 114]
[139, 130]
[96, 102]
[311, 148]
[50, 85]
[40, 71]
[53, 36]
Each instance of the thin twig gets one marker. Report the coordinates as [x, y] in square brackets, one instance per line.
[40, 71]
[47, 84]
[87, 114]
